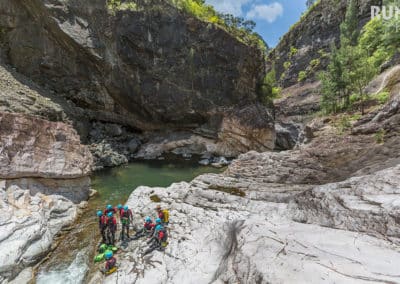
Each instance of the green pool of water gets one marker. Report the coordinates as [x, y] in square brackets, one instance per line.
[115, 185]
[76, 249]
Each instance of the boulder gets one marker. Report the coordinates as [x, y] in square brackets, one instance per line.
[33, 147]
[30, 221]
[133, 145]
[113, 130]
[287, 135]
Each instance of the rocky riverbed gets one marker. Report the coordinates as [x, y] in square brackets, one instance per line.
[328, 211]
[227, 231]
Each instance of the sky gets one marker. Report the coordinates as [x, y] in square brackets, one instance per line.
[273, 17]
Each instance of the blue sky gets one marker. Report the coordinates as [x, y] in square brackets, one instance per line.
[273, 17]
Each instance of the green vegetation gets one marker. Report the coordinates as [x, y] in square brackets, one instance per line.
[311, 68]
[351, 65]
[315, 63]
[322, 53]
[287, 64]
[119, 5]
[343, 124]
[381, 97]
[380, 38]
[345, 121]
[293, 51]
[302, 76]
[312, 5]
[380, 136]
[268, 89]
[357, 60]
[237, 26]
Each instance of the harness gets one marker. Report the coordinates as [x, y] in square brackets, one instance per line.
[111, 224]
[125, 217]
[103, 222]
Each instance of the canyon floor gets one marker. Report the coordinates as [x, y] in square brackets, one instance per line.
[325, 212]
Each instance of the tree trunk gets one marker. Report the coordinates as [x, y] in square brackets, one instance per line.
[362, 101]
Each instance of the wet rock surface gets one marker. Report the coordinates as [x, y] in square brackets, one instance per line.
[288, 135]
[43, 177]
[30, 220]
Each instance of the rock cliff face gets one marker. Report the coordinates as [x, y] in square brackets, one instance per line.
[310, 39]
[150, 68]
[43, 176]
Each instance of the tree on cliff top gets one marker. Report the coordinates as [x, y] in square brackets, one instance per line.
[349, 31]
[349, 70]
[242, 29]
[309, 3]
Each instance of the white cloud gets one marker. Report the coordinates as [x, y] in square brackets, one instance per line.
[234, 7]
[265, 12]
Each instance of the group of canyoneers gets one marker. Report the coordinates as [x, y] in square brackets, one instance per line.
[156, 232]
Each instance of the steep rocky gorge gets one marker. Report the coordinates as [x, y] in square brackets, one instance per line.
[304, 48]
[325, 212]
[152, 68]
[149, 80]
[133, 83]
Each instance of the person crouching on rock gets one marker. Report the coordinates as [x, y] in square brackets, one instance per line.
[148, 226]
[102, 225]
[147, 229]
[126, 218]
[111, 262]
[111, 228]
[159, 239]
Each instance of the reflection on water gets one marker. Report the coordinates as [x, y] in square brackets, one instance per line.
[71, 260]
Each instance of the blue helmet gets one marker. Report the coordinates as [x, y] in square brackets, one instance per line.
[147, 219]
[159, 227]
[109, 214]
[99, 213]
[109, 207]
[119, 206]
[108, 254]
[126, 207]
[158, 221]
